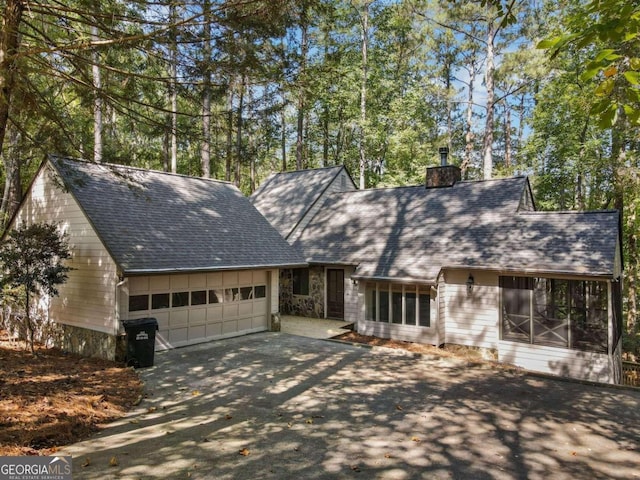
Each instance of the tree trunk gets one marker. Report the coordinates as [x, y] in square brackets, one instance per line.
[283, 136]
[243, 84]
[302, 90]
[12, 181]
[9, 45]
[205, 150]
[97, 100]
[364, 19]
[229, 156]
[468, 150]
[507, 136]
[173, 90]
[487, 147]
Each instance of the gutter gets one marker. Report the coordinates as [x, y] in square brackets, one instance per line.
[162, 271]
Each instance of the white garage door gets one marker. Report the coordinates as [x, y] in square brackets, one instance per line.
[199, 307]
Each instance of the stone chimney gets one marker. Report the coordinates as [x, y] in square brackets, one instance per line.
[445, 175]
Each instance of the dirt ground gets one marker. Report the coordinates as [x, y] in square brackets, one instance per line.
[54, 399]
[469, 354]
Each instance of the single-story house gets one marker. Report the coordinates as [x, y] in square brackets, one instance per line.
[455, 262]
[192, 253]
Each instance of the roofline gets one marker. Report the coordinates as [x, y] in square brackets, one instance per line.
[567, 212]
[167, 271]
[139, 169]
[419, 281]
[344, 264]
[531, 271]
[342, 167]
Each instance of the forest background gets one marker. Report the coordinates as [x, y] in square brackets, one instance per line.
[238, 89]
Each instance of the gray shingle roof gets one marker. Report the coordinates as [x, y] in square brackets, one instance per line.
[412, 233]
[153, 221]
[285, 197]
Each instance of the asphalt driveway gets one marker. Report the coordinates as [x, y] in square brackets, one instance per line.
[278, 406]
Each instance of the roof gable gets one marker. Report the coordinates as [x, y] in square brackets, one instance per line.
[158, 222]
[285, 198]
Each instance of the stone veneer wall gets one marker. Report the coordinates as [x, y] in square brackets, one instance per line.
[311, 305]
[90, 343]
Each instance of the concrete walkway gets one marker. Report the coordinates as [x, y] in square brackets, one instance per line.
[313, 327]
[277, 406]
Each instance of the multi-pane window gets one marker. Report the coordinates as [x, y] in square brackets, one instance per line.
[161, 301]
[553, 312]
[400, 304]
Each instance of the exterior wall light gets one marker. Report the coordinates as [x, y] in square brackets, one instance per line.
[470, 283]
[354, 281]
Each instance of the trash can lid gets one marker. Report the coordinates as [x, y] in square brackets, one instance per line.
[140, 322]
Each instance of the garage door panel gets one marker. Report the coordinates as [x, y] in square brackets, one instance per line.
[259, 321]
[229, 327]
[197, 316]
[213, 329]
[198, 332]
[179, 335]
[245, 278]
[245, 309]
[179, 318]
[244, 324]
[230, 311]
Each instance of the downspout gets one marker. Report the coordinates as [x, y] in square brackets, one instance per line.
[119, 285]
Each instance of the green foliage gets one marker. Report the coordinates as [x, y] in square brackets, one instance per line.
[31, 257]
[608, 31]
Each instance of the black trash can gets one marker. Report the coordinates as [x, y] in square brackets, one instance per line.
[141, 341]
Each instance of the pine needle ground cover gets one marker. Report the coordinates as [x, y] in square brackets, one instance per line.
[54, 399]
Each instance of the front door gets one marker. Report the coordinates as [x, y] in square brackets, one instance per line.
[335, 293]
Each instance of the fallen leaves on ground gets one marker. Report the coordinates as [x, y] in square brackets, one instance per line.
[55, 399]
[244, 452]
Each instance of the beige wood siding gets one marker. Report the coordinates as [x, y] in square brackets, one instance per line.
[471, 319]
[88, 298]
[557, 361]
[341, 183]
[191, 324]
[441, 305]
[352, 299]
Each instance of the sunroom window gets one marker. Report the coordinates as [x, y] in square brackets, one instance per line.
[553, 312]
[399, 304]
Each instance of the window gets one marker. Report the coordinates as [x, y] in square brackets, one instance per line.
[180, 299]
[371, 302]
[396, 304]
[383, 299]
[260, 291]
[159, 300]
[216, 296]
[424, 307]
[138, 302]
[231, 295]
[301, 281]
[401, 304]
[557, 313]
[199, 297]
[246, 293]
